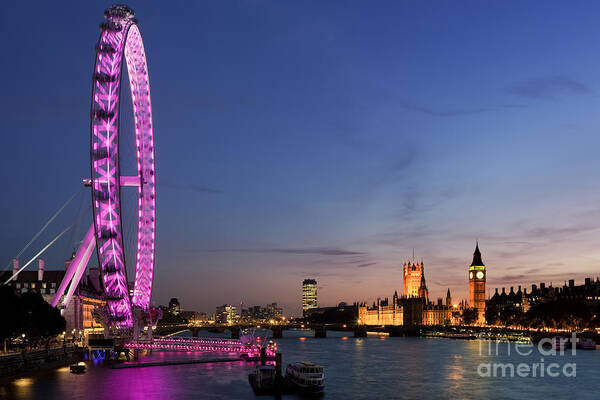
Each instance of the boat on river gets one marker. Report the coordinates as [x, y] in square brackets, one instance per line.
[78, 368]
[305, 376]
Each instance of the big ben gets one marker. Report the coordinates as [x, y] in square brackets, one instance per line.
[477, 285]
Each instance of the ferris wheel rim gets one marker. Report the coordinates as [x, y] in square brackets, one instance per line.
[121, 39]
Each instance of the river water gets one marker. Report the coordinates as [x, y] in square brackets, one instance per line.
[376, 367]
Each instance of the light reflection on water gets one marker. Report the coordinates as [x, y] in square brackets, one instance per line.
[356, 368]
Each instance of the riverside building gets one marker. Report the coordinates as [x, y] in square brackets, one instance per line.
[415, 307]
[522, 300]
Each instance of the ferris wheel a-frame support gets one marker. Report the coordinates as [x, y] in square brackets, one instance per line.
[75, 270]
[82, 257]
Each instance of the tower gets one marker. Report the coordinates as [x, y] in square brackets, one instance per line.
[412, 274]
[309, 295]
[423, 292]
[448, 298]
[477, 285]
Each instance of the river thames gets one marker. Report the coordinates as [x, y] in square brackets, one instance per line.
[355, 368]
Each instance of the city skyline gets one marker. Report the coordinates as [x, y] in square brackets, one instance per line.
[388, 144]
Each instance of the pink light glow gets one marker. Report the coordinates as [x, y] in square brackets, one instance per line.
[202, 344]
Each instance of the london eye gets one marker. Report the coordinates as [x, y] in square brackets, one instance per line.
[120, 43]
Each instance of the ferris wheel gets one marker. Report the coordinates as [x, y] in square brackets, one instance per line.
[120, 40]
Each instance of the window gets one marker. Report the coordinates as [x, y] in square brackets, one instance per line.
[33, 285]
[18, 285]
[44, 285]
[53, 284]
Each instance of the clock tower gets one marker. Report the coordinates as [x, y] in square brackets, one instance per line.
[477, 285]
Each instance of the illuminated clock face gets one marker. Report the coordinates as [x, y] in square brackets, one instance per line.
[479, 275]
[470, 275]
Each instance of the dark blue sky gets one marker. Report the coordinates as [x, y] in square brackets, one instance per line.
[325, 140]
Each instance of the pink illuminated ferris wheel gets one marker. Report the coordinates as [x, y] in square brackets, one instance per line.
[120, 40]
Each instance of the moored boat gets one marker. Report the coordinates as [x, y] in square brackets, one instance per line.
[262, 379]
[78, 368]
[561, 343]
[306, 376]
[586, 343]
[467, 336]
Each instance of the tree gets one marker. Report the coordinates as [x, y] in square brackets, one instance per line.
[492, 314]
[29, 314]
[562, 314]
[10, 309]
[469, 316]
[510, 315]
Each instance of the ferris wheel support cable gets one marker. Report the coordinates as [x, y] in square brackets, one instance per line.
[46, 224]
[47, 246]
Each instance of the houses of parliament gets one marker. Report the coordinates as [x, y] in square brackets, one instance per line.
[415, 307]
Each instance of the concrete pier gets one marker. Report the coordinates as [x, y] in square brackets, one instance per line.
[320, 331]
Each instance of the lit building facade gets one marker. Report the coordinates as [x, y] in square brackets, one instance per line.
[412, 276]
[409, 311]
[174, 306]
[381, 313]
[271, 312]
[226, 314]
[414, 308]
[309, 295]
[477, 275]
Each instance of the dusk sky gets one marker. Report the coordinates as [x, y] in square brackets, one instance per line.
[323, 140]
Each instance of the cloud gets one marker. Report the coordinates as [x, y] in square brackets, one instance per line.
[591, 213]
[512, 278]
[510, 105]
[515, 267]
[392, 172]
[549, 88]
[528, 277]
[551, 232]
[442, 113]
[193, 188]
[366, 265]
[412, 234]
[321, 274]
[323, 251]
